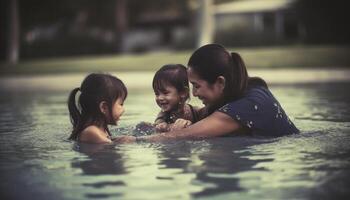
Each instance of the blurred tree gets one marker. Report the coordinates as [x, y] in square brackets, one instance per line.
[160, 14]
[13, 33]
[65, 27]
[71, 27]
[205, 23]
[121, 22]
[324, 21]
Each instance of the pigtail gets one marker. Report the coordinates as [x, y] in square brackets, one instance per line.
[244, 80]
[75, 116]
[240, 71]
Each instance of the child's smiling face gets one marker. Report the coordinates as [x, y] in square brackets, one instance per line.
[168, 99]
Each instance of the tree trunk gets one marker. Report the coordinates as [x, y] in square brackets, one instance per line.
[205, 23]
[120, 23]
[13, 34]
[279, 26]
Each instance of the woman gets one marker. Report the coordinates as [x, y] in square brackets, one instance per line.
[234, 102]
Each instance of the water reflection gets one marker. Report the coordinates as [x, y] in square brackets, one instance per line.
[101, 159]
[223, 159]
[214, 162]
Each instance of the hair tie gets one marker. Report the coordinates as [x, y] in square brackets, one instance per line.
[77, 104]
[79, 91]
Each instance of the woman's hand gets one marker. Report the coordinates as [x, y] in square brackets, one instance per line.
[124, 139]
[180, 124]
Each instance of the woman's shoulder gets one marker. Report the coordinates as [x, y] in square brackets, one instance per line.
[260, 111]
[258, 91]
[257, 95]
[93, 134]
[257, 98]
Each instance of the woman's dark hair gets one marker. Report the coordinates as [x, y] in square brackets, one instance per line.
[94, 89]
[213, 60]
[174, 75]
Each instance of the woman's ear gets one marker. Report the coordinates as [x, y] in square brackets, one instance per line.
[220, 82]
[103, 107]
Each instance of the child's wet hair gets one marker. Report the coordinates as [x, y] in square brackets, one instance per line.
[94, 89]
[171, 75]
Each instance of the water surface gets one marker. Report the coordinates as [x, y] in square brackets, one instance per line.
[37, 162]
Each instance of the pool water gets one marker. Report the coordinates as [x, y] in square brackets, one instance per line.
[38, 162]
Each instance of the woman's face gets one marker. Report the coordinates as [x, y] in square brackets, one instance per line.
[208, 93]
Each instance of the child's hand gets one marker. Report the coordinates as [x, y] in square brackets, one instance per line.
[162, 127]
[124, 139]
[180, 124]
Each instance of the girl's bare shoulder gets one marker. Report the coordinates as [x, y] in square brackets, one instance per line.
[93, 134]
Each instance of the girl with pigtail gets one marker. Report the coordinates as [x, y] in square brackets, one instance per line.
[99, 104]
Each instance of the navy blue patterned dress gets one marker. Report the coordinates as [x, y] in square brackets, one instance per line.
[259, 111]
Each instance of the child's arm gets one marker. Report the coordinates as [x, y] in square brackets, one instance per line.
[179, 124]
[160, 124]
[162, 127]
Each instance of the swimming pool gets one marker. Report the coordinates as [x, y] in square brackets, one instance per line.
[37, 162]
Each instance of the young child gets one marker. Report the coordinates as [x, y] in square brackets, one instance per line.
[100, 103]
[170, 85]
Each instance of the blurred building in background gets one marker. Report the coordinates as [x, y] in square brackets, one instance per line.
[37, 28]
[256, 22]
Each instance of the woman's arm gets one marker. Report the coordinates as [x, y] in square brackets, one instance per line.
[217, 124]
